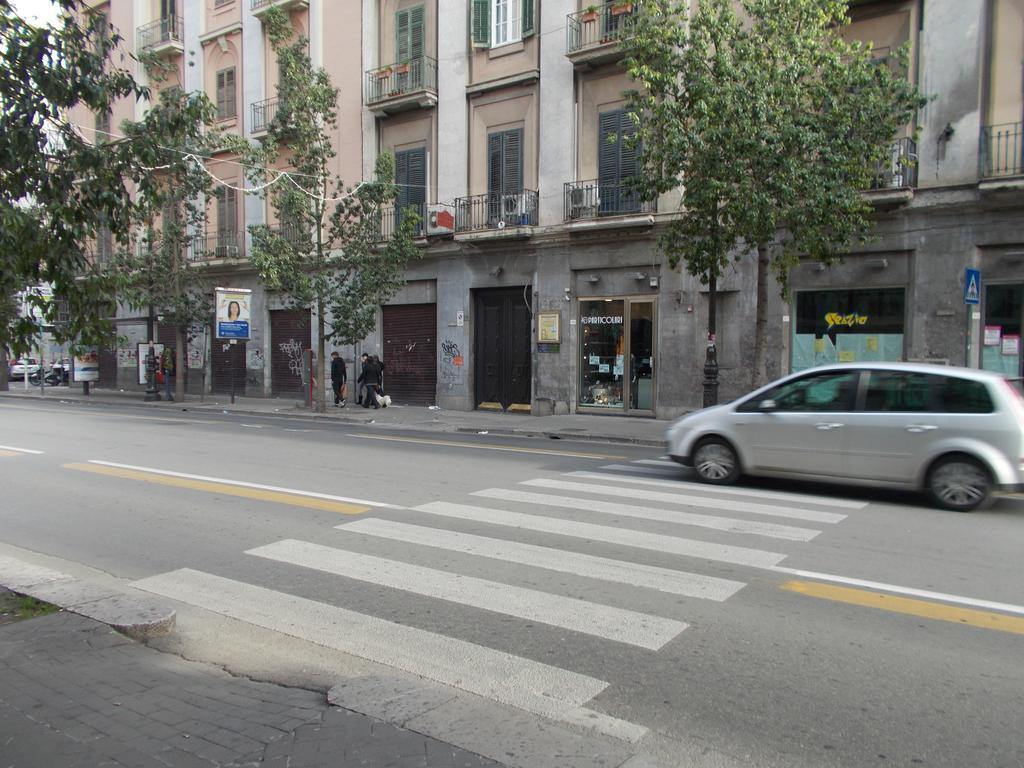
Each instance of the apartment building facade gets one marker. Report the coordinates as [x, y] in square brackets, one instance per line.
[541, 287]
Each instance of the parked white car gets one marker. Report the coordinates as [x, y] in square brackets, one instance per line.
[955, 433]
[23, 366]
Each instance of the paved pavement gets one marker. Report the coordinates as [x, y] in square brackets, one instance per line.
[610, 428]
[74, 692]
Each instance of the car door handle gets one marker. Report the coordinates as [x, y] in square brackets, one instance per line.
[921, 428]
[825, 426]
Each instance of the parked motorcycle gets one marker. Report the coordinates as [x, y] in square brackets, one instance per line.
[58, 375]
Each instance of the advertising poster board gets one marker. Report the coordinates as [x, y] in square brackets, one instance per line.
[233, 313]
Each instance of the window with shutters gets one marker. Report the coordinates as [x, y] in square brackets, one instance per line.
[409, 32]
[500, 22]
[102, 127]
[227, 211]
[616, 163]
[411, 180]
[505, 199]
[226, 104]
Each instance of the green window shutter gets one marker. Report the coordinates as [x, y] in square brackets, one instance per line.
[529, 18]
[512, 162]
[495, 163]
[627, 154]
[402, 36]
[416, 32]
[417, 177]
[480, 24]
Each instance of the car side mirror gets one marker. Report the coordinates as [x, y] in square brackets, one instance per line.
[767, 405]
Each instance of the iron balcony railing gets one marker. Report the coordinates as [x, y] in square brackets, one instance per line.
[263, 114]
[400, 79]
[169, 29]
[593, 200]
[1001, 151]
[391, 219]
[599, 24]
[496, 210]
[225, 244]
[899, 169]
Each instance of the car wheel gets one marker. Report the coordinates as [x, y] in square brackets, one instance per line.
[716, 462]
[959, 483]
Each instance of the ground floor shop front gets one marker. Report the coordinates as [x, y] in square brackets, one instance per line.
[598, 323]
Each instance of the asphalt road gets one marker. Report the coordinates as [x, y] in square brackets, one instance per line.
[779, 625]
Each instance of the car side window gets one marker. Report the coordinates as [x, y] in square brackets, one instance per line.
[829, 391]
[964, 396]
[899, 391]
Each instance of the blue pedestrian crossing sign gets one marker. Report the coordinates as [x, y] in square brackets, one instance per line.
[972, 286]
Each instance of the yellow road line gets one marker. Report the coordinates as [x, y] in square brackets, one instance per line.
[923, 608]
[485, 447]
[224, 489]
[9, 453]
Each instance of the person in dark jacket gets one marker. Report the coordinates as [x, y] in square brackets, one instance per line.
[370, 378]
[360, 387]
[339, 375]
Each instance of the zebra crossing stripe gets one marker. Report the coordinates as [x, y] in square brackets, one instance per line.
[624, 626]
[658, 463]
[654, 542]
[730, 524]
[799, 498]
[689, 500]
[519, 682]
[656, 471]
[589, 566]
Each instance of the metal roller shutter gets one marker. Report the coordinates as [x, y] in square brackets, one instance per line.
[227, 362]
[291, 334]
[410, 353]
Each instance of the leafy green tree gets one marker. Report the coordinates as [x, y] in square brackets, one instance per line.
[771, 125]
[58, 186]
[324, 254]
[155, 273]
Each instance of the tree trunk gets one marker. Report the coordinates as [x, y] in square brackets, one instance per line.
[3, 369]
[319, 391]
[758, 371]
[180, 364]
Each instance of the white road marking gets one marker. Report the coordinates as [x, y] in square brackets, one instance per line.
[656, 471]
[252, 426]
[690, 501]
[655, 542]
[714, 522]
[590, 566]
[242, 484]
[530, 685]
[729, 490]
[20, 450]
[658, 463]
[624, 626]
[944, 597]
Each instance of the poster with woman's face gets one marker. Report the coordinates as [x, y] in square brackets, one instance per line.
[233, 313]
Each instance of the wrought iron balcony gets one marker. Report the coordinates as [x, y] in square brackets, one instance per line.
[404, 85]
[593, 34]
[899, 170]
[496, 210]
[163, 35]
[1002, 150]
[391, 219]
[594, 200]
[263, 114]
[224, 244]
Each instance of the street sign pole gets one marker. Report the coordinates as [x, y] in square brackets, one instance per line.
[972, 299]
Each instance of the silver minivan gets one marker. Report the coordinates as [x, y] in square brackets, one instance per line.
[956, 433]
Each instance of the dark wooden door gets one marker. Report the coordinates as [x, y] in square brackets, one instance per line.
[291, 334]
[410, 353]
[503, 370]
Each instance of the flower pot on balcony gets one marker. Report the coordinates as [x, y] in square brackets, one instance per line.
[384, 74]
[589, 17]
[402, 69]
[621, 8]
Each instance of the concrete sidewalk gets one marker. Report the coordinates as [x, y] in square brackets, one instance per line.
[610, 428]
[74, 692]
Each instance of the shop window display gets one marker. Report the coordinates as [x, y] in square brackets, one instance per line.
[847, 326]
[602, 350]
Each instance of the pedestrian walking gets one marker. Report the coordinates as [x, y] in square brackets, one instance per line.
[167, 369]
[339, 379]
[370, 378]
[360, 386]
